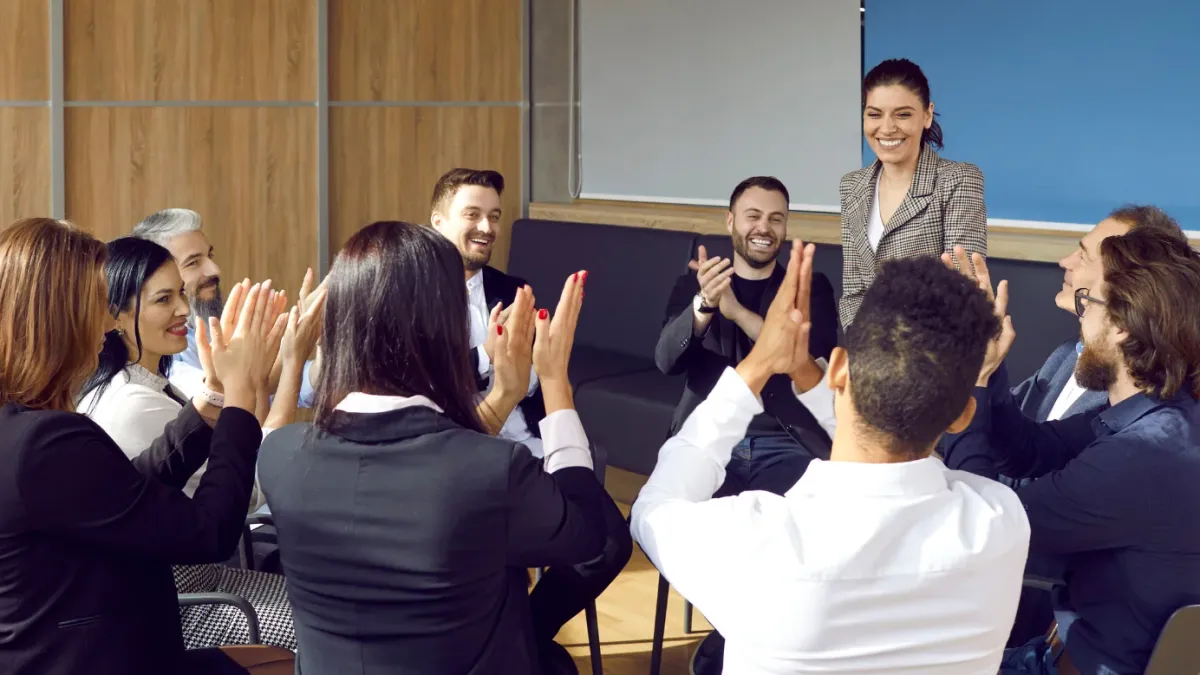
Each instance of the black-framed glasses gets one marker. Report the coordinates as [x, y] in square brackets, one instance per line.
[1082, 300]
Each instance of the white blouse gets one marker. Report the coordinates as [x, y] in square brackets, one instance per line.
[134, 410]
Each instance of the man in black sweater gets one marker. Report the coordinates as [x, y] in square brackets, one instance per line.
[713, 317]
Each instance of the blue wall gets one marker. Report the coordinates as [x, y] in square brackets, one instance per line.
[1070, 107]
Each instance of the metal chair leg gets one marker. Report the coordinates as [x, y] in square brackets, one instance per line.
[687, 617]
[593, 629]
[660, 625]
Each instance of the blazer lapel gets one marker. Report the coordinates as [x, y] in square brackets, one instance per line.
[860, 211]
[919, 193]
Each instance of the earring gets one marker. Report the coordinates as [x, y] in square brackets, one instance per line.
[120, 332]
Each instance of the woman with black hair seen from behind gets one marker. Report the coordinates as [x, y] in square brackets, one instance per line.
[130, 397]
[405, 530]
[88, 536]
[909, 202]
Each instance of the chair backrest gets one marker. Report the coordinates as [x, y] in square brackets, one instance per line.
[631, 273]
[1177, 651]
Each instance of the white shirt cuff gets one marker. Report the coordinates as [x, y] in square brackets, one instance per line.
[564, 441]
[485, 364]
[819, 401]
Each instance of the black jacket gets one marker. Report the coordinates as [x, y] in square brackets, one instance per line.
[88, 537]
[501, 287]
[406, 541]
[725, 344]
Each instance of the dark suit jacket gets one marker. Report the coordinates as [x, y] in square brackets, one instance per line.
[704, 359]
[1035, 397]
[943, 208]
[87, 537]
[406, 540]
[501, 287]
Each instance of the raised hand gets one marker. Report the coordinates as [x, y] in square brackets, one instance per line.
[1000, 345]
[782, 345]
[554, 341]
[715, 278]
[236, 356]
[513, 347]
[229, 315]
[304, 324]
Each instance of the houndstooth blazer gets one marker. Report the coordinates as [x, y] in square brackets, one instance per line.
[943, 208]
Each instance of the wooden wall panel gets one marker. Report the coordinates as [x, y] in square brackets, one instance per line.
[190, 50]
[24, 164]
[24, 50]
[249, 172]
[425, 50]
[385, 161]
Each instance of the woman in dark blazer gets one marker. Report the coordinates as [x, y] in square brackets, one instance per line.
[405, 531]
[909, 202]
[87, 536]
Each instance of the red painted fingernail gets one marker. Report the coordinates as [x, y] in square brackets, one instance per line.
[574, 276]
[583, 277]
[499, 330]
[542, 314]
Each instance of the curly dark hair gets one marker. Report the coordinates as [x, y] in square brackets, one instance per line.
[1153, 279]
[915, 350]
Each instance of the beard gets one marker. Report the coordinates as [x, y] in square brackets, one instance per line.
[1095, 370]
[754, 258]
[476, 260]
[205, 309]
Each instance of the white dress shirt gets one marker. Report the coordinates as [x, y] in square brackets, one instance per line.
[875, 221]
[860, 568]
[1066, 398]
[515, 427]
[135, 410]
[563, 437]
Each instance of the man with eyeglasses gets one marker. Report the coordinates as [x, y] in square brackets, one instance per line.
[1054, 392]
[1113, 488]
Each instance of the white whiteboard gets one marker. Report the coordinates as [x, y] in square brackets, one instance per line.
[682, 99]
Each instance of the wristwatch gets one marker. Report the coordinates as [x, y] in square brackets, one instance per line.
[699, 306]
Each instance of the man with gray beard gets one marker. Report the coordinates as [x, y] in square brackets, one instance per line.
[180, 232]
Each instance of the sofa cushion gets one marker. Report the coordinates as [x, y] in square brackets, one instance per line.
[593, 363]
[630, 416]
[630, 275]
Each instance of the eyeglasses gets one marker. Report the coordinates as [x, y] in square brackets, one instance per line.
[1082, 300]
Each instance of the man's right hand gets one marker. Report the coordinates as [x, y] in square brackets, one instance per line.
[782, 345]
[714, 276]
[977, 272]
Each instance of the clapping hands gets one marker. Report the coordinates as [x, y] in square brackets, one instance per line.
[977, 272]
[782, 345]
[235, 347]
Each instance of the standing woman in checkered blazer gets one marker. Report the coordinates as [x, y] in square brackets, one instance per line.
[909, 202]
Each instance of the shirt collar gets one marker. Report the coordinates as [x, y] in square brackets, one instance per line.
[900, 479]
[1116, 418]
[358, 402]
[475, 283]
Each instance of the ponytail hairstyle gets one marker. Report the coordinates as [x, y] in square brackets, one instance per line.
[908, 75]
[131, 261]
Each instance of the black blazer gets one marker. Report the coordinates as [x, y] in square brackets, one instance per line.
[406, 541]
[705, 359]
[501, 287]
[88, 537]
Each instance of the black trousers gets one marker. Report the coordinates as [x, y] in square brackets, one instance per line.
[566, 590]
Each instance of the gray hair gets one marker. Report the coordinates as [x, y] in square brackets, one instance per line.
[164, 225]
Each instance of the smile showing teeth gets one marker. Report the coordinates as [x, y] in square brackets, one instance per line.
[481, 242]
[760, 242]
[890, 143]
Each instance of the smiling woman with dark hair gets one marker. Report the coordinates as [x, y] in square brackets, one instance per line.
[909, 202]
[405, 531]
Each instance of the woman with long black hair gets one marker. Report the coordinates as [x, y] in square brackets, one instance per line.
[130, 397]
[405, 530]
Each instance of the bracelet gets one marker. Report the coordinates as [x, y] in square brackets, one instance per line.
[212, 398]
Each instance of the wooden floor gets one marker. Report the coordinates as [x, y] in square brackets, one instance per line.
[626, 611]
